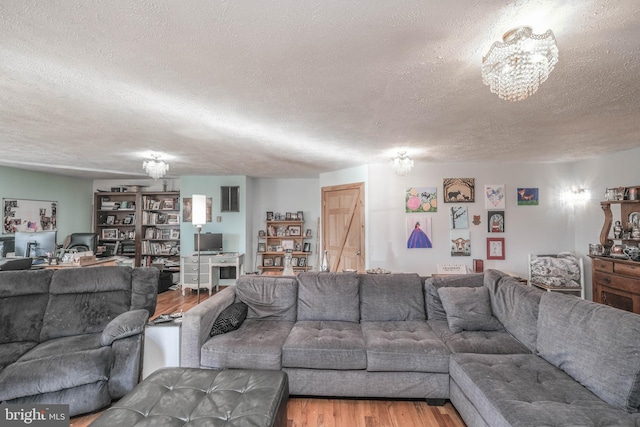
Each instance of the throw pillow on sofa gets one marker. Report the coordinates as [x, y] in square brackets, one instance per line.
[229, 319]
[468, 309]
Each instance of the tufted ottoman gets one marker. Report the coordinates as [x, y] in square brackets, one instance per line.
[203, 397]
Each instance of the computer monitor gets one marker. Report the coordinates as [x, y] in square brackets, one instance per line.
[209, 242]
[35, 244]
[83, 242]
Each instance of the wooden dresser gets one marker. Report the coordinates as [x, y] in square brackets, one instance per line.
[616, 282]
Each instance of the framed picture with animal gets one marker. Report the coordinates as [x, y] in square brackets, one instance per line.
[527, 196]
[459, 190]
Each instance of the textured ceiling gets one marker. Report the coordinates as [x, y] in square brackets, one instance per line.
[293, 88]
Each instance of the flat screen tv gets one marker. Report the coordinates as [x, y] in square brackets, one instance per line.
[35, 244]
[209, 242]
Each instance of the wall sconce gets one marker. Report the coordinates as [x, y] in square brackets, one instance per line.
[575, 197]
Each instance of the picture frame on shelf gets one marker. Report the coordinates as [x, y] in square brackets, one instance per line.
[307, 247]
[287, 244]
[294, 262]
[267, 262]
[174, 234]
[261, 233]
[269, 216]
[128, 220]
[277, 261]
[294, 230]
[109, 233]
[302, 262]
[300, 215]
[262, 247]
[298, 247]
[288, 216]
[111, 220]
[167, 204]
[495, 248]
[307, 233]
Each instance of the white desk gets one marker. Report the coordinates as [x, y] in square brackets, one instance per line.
[209, 269]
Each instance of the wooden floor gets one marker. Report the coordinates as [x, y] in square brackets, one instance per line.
[320, 412]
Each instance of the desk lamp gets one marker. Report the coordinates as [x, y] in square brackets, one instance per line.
[199, 218]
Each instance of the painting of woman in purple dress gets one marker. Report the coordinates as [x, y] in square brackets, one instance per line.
[418, 238]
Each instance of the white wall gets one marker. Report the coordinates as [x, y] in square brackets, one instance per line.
[283, 195]
[617, 170]
[545, 228]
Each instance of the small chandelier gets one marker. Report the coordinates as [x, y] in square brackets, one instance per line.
[156, 168]
[401, 163]
[516, 68]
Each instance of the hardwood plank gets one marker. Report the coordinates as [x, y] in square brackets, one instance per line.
[326, 412]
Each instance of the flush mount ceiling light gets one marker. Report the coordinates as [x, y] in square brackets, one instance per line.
[516, 68]
[402, 164]
[156, 168]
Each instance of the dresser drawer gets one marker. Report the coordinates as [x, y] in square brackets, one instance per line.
[627, 269]
[602, 265]
[622, 283]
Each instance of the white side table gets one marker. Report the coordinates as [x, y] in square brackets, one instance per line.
[161, 346]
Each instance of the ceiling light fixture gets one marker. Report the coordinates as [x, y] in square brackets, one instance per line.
[516, 68]
[402, 164]
[156, 168]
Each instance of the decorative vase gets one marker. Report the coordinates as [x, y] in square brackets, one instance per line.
[288, 269]
[325, 262]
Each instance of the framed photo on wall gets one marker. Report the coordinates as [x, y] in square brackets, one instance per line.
[495, 247]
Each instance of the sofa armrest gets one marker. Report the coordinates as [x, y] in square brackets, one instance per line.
[197, 323]
[125, 325]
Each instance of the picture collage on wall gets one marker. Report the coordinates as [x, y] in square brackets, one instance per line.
[423, 200]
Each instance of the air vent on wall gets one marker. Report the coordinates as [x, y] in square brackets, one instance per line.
[229, 199]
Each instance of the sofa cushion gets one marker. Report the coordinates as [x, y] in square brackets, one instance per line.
[386, 297]
[256, 344]
[401, 346]
[560, 271]
[23, 295]
[230, 319]
[524, 390]
[468, 309]
[433, 305]
[596, 344]
[85, 300]
[12, 351]
[484, 342]
[55, 372]
[328, 296]
[268, 297]
[516, 307]
[325, 345]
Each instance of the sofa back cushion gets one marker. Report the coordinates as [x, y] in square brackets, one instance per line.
[268, 297]
[84, 300]
[598, 345]
[433, 304]
[23, 300]
[328, 296]
[515, 306]
[144, 288]
[390, 297]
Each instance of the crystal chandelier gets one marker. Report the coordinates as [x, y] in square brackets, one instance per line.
[401, 163]
[516, 68]
[156, 168]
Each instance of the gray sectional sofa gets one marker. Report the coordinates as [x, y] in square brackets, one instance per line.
[505, 354]
[73, 336]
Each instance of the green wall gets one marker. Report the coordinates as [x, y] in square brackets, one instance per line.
[233, 225]
[74, 196]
